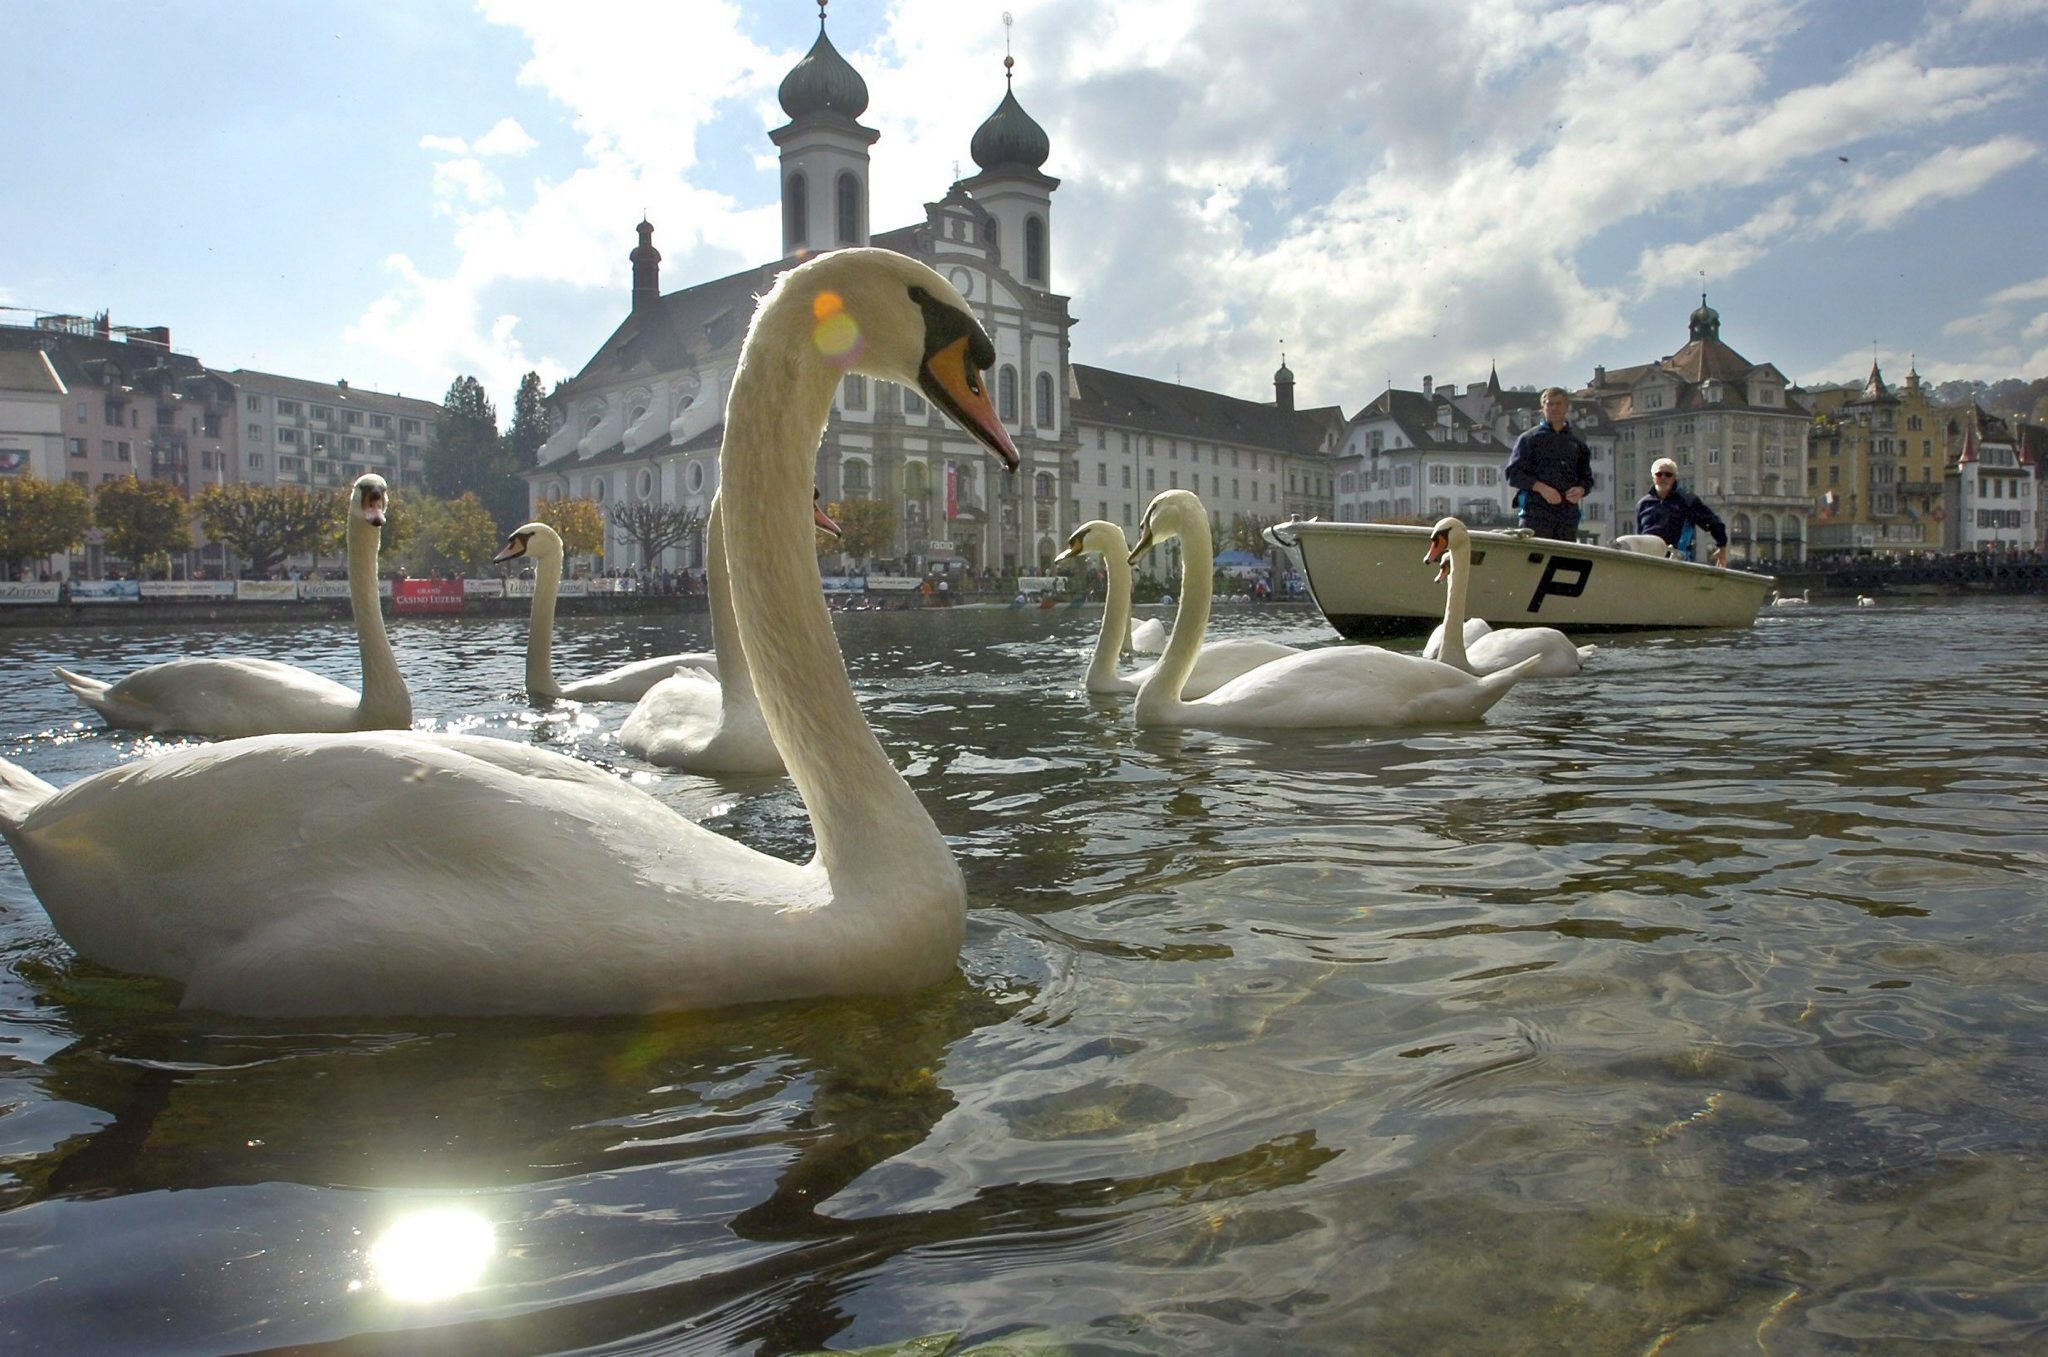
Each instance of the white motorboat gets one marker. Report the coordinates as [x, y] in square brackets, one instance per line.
[1370, 580]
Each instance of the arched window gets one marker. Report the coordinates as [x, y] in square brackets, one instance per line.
[853, 477]
[1042, 485]
[796, 213]
[849, 209]
[1034, 249]
[1043, 405]
[1006, 395]
[916, 481]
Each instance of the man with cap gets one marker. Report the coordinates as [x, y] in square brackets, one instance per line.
[1672, 513]
[1551, 468]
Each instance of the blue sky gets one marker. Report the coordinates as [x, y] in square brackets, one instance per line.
[399, 194]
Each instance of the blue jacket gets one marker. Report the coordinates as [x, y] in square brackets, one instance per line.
[1557, 457]
[1671, 515]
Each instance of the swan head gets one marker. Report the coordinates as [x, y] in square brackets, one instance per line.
[885, 315]
[367, 499]
[531, 539]
[1447, 537]
[1166, 518]
[1095, 535]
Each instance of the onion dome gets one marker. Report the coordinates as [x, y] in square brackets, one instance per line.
[1009, 137]
[823, 82]
[1705, 323]
[1286, 373]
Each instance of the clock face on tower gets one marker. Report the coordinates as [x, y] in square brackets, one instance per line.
[963, 280]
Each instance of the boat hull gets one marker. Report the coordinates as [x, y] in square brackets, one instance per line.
[1370, 580]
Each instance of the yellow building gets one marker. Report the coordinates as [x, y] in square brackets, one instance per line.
[1874, 468]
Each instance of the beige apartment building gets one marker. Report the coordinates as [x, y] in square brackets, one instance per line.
[322, 435]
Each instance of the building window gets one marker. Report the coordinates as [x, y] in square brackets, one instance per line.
[121, 451]
[255, 461]
[77, 446]
[285, 407]
[849, 209]
[1034, 249]
[855, 395]
[1044, 402]
[1102, 473]
[1006, 394]
[796, 212]
[254, 403]
[853, 478]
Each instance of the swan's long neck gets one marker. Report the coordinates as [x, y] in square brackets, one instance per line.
[1190, 620]
[875, 840]
[1116, 616]
[733, 676]
[385, 701]
[1452, 651]
[540, 628]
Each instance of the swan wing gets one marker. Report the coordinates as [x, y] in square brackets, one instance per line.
[1475, 627]
[1557, 656]
[631, 682]
[684, 721]
[1346, 686]
[1148, 636]
[222, 698]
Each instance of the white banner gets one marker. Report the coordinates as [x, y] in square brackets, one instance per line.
[483, 588]
[267, 591]
[188, 588]
[568, 589]
[894, 583]
[845, 584]
[106, 591]
[323, 589]
[30, 591]
[1030, 585]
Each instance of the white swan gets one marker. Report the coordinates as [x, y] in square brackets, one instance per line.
[628, 682]
[1865, 601]
[1218, 661]
[1798, 600]
[1148, 634]
[709, 722]
[419, 873]
[229, 698]
[1492, 650]
[1346, 686]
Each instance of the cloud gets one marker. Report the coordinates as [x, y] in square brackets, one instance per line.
[506, 138]
[2037, 290]
[1878, 201]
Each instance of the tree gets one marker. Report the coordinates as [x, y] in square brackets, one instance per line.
[579, 521]
[655, 527]
[41, 518]
[529, 427]
[451, 536]
[469, 457]
[263, 524]
[866, 526]
[143, 520]
[401, 521]
[1248, 532]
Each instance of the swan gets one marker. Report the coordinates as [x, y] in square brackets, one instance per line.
[628, 682]
[709, 722]
[1779, 600]
[419, 873]
[1216, 664]
[1491, 650]
[1865, 601]
[230, 698]
[1341, 686]
[1148, 634]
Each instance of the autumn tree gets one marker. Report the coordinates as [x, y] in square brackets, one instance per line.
[1248, 532]
[40, 518]
[142, 520]
[264, 524]
[579, 521]
[866, 526]
[655, 527]
[451, 536]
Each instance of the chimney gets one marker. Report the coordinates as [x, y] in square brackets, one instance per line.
[1428, 384]
[341, 384]
[1599, 376]
[646, 269]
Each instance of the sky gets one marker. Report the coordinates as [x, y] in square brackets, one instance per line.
[400, 194]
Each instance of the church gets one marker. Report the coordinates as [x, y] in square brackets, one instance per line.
[644, 418]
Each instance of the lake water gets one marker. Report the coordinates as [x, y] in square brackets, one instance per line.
[1693, 1006]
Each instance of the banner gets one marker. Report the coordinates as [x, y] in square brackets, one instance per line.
[106, 591]
[567, 589]
[30, 591]
[267, 591]
[952, 490]
[894, 583]
[845, 584]
[483, 588]
[427, 596]
[188, 588]
[311, 589]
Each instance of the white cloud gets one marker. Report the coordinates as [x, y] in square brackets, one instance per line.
[506, 138]
[2035, 291]
[445, 145]
[1880, 200]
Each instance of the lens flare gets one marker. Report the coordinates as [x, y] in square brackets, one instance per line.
[432, 1255]
[836, 334]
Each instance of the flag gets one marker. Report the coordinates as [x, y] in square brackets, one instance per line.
[952, 490]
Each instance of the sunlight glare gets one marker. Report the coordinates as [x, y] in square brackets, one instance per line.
[431, 1255]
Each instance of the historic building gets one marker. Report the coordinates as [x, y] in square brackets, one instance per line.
[1993, 492]
[1874, 468]
[1415, 456]
[644, 418]
[1735, 428]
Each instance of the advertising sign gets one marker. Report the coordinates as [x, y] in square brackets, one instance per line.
[29, 591]
[902, 584]
[188, 588]
[266, 591]
[845, 584]
[483, 588]
[106, 591]
[427, 596]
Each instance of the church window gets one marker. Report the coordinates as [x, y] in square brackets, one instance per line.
[1034, 249]
[1006, 394]
[1044, 401]
[849, 209]
[796, 211]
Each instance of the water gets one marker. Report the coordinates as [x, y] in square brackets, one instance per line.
[1694, 1006]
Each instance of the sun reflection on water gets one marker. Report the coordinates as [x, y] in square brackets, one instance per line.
[432, 1255]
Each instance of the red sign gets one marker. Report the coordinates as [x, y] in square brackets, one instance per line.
[426, 596]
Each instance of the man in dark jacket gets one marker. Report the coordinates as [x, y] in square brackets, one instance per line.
[1671, 513]
[1552, 468]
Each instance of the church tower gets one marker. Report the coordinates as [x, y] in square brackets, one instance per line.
[1010, 147]
[824, 151]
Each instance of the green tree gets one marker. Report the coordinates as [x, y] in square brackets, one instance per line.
[655, 527]
[263, 524]
[40, 518]
[579, 521]
[1248, 532]
[529, 427]
[469, 457]
[143, 520]
[451, 536]
[401, 519]
[866, 526]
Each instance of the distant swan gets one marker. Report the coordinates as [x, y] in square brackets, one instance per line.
[1778, 600]
[1218, 661]
[709, 722]
[1865, 601]
[420, 873]
[1338, 686]
[1493, 649]
[229, 698]
[628, 682]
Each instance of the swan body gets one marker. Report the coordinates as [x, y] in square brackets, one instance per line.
[1337, 687]
[1490, 651]
[1475, 627]
[1778, 600]
[1148, 634]
[408, 872]
[1865, 601]
[627, 682]
[1216, 664]
[233, 697]
[1644, 543]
